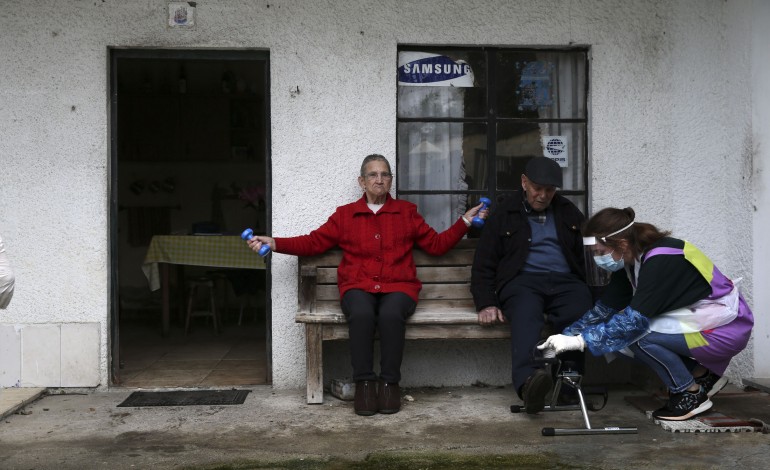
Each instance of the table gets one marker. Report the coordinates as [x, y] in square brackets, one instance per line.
[193, 250]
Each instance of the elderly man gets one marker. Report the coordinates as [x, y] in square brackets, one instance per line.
[6, 278]
[529, 271]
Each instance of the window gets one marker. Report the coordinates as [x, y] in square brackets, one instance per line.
[469, 119]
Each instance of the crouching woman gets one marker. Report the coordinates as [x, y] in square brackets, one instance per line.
[667, 305]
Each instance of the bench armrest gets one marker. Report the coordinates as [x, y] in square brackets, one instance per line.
[308, 278]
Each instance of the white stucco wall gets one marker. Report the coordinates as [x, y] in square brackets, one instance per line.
[761, 183]
[670, 132]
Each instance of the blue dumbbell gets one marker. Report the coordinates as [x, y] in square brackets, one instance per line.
[478, 221]
[263, 250]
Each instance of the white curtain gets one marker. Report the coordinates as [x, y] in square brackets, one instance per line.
[564, 71]
[435, 156]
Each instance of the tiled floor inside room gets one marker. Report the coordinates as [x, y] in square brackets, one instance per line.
[235, 356]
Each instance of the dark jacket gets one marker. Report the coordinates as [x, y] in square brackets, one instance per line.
[505, 240]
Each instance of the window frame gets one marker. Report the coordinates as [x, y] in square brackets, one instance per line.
[491, 120]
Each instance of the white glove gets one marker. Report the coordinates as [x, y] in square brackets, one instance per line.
[562, 343]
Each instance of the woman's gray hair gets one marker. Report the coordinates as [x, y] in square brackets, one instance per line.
[371, 158]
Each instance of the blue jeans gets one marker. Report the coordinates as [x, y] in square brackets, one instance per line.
[669, 357]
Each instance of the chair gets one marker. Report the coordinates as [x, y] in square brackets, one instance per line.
[244, 300]
[194, 287]
[246, 283]
[221, 287]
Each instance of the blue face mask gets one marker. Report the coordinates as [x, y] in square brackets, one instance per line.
[608, 263]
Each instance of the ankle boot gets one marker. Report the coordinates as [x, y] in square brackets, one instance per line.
[365, 403]
[390, 398]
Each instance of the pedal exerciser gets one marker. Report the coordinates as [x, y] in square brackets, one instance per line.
[566, 375]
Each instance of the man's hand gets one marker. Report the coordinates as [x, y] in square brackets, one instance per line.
[490, 316]
[562, 343]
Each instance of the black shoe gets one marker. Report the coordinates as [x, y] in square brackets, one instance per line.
[685, 405]
[568, 396]
[365, 402]
[712, 383]
[389, 398]
[535, 390]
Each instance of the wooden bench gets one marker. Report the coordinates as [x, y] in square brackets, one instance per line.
[445, 309]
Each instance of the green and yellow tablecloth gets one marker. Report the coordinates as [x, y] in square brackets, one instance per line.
[198, 250]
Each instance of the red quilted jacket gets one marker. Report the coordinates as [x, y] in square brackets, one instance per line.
[377, 248]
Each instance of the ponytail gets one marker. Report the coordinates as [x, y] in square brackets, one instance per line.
[611, 225]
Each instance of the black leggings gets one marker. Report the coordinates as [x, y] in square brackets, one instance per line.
[385, 313]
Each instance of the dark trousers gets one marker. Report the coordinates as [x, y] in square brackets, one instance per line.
[384, 313]
[536, 306]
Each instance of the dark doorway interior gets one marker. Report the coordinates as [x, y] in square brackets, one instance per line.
[190, 157]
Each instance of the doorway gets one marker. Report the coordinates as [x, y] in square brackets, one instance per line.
[190, 159]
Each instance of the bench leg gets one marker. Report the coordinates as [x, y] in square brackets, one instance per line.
[314, 363]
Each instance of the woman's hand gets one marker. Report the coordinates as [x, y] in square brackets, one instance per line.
[562, 343]
[474, 211]
[256, 242]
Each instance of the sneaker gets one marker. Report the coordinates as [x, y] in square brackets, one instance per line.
[685, 405]
[535, 390]
[712, 383]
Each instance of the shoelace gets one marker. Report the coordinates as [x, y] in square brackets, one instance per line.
[686, 401]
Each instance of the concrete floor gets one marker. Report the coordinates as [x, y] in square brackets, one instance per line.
[464, 427]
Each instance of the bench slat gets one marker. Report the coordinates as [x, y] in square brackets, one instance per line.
[436, 332]
[328, 292]
[449, 316]
[461, 255]
[452, 258]
[446, 291]
[444, 274]
[333, 306]
[426, 274]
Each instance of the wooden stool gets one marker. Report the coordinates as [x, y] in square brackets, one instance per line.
[193, 287]
[221, 287]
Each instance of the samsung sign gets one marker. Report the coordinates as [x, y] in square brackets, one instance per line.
[425, 69]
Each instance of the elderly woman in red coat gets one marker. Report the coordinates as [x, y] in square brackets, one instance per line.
[377, 277]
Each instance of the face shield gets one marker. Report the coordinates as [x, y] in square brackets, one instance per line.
[595, 276]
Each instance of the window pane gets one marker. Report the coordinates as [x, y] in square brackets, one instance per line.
[541, 84]
[440, 211]
[459, 97]
[441, 156]
[531, 91]
[518, 142]
[580, 202]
